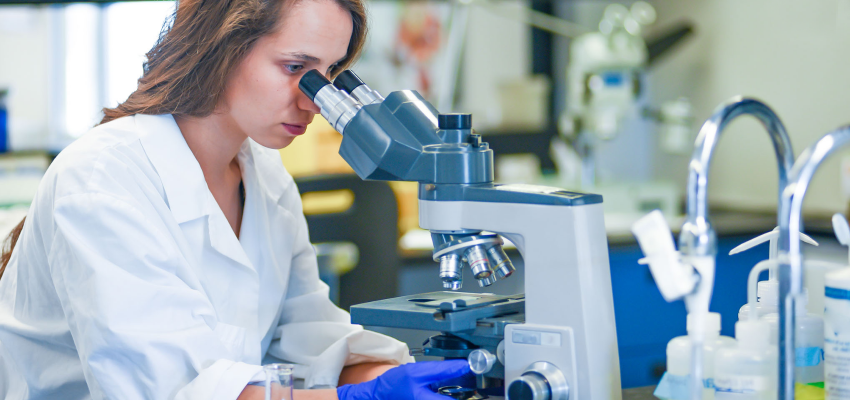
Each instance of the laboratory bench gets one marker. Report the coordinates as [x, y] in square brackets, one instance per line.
[645, 321]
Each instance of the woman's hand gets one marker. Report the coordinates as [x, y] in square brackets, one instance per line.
[406, 382]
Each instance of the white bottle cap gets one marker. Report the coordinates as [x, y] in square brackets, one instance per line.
[712, 322]
[752, 334]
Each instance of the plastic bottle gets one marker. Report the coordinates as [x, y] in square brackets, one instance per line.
[836, 317]
[768, 300]
[808, 339]
[749, 370]
[679, 356]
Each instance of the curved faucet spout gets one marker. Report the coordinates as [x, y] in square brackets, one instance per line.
[698, 237]
[790, 226]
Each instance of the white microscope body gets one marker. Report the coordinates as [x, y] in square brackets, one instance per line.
[559, 339]
[569, 309]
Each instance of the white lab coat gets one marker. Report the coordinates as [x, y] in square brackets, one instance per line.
[128, 282]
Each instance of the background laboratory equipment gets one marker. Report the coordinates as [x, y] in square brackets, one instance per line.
[605, 90]
[278, 383]
[558, 340]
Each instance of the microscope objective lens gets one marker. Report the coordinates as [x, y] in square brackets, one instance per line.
[504, 266]
[451, 271]
[478, 262]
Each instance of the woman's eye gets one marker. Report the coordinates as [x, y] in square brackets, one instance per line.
[293, 68]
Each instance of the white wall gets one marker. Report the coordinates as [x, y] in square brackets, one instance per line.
[497, 50]
[24, 60]
[791, 54]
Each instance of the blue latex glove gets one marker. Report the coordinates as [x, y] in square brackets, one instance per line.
[407, 382]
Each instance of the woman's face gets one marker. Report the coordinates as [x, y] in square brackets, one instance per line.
[262, 99]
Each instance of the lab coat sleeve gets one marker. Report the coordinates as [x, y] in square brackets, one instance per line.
[314, 332]
[143, 329]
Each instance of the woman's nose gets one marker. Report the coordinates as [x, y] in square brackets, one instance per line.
[306, 104]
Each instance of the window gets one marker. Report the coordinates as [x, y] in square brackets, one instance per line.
[104, 49]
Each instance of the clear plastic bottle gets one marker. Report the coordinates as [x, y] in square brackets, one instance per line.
[679, 352]
[808, 339]
[768, 300]
[748, 371]
[836, 317]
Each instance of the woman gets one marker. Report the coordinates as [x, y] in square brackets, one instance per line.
[166, 254]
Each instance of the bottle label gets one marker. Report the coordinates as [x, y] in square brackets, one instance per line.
[676, 387]
[836, 293]
[837, 369]
[809, 356]
[741, 384]
[837, 343]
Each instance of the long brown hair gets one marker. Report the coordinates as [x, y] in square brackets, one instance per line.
[202, 42]
[8, 244]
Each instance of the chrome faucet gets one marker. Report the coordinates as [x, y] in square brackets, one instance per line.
[698, 240]
[791, 268]
[698, 237]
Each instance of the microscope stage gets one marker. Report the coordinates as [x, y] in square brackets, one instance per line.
[441, 311]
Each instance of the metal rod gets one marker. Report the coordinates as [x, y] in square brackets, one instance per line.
[791, 261]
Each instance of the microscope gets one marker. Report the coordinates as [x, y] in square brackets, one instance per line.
[555, 342]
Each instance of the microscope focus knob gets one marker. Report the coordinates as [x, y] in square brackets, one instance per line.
[529, 387]
[541, 381]
[454, 121]
[481, 361]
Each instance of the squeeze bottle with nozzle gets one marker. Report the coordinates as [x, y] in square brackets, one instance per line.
[836, 316]
[749, 370]
[808, 341]
[767, 291]
[674, 384]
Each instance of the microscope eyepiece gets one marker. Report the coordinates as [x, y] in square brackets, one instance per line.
[335, 105]
[348, 81]
[312, 82]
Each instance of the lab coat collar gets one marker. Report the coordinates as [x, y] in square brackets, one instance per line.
[266, 169]
[182, 178]
[186, 190]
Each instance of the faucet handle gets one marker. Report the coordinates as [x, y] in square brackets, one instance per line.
[674, 278]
